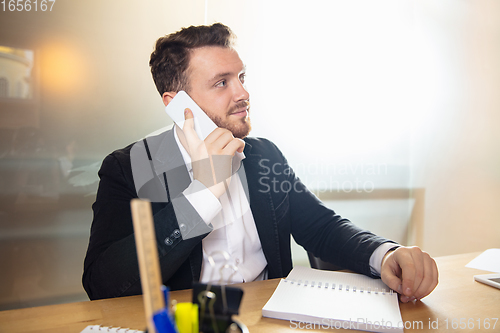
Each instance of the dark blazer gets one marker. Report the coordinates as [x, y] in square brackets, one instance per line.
[281, 206]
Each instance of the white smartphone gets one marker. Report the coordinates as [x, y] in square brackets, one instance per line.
[203, 125]
[489, 279]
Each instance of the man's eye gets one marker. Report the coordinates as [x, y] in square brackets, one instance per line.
[221, 83]
[242, 78]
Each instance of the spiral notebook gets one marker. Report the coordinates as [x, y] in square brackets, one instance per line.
[311, 298]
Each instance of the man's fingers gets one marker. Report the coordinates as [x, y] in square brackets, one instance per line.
[392, 281]
[391, 275]
[430, 280]
[220, 137]
[233, 146]
[222, 142]
[418, 261]
[188, 120]
[218, 140]
[405, 261]
[188, 114]
[188, 128]
[391, 272]
[196, 147]
[418, 273]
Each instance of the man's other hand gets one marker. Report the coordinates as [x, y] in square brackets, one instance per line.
[409, 271]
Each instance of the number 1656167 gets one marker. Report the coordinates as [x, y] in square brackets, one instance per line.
[27, 5]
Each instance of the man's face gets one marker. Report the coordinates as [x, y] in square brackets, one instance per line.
[216, 83]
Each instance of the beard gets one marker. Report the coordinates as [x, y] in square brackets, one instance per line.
[239, 127]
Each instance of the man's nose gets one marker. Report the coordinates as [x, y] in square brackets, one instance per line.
[240, 93]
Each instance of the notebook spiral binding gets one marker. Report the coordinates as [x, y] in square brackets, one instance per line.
[340, 287]
[99, 328]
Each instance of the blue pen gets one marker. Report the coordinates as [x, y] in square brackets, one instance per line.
[163, 319]
[163, 322]
[165, 291]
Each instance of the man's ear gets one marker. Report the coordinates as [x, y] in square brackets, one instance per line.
[168, 96]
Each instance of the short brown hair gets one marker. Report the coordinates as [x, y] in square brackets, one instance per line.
[170, 59]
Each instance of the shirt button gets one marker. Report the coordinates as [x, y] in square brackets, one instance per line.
[168, 241]
[183, 227]
[237, 261]
[176, 233]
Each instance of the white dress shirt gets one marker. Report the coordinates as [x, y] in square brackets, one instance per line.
[235, 233]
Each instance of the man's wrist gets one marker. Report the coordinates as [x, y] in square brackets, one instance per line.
[203, 201]
[378, 256]
[388, 252]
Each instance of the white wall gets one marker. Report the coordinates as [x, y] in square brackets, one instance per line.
[456, 137]
[407, 85]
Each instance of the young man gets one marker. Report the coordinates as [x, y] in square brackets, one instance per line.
[227, 194]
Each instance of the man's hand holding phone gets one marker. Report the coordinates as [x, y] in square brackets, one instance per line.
[211, 158]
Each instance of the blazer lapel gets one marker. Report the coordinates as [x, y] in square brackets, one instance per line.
[168, 158]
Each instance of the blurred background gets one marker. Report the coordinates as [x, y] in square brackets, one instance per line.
[386, 109]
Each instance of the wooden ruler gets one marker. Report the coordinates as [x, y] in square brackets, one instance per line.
[147, 254]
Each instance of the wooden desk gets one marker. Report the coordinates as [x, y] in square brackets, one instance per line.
[457, 296]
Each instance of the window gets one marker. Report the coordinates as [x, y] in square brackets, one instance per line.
[16, 67]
